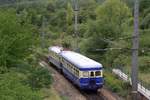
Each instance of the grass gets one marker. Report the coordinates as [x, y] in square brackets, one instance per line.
[50, 94]
[143, 76]
[64, 98]
[116, 85]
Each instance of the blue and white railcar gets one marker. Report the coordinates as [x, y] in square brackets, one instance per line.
[82, 71]
[54, 56]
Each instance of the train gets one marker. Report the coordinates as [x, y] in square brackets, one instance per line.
[82, 71]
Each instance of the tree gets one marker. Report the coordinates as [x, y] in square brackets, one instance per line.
[86, 10]
[16, 38]
[113, 18]
[145, 14]
[39, 78]
[113, 15]
[11, 88]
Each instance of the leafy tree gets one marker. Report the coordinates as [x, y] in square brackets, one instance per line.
[86, 10]
[11, 88]
[144, 4]
[39, 78]
[15, 38]
[112, 16]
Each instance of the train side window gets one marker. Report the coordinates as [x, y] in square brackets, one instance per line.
[68, 67]
[77, 72]
[71, 68]
[62, 61]
[74, 70]
[65, 64]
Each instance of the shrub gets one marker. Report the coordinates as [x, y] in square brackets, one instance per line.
[11, 88]
[39, 78]
[116, 85]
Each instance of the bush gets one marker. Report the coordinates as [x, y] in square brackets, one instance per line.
[16, 39]
[144, 64]
[116, 85]
[113, 83]
[11, 88]
[39, 78]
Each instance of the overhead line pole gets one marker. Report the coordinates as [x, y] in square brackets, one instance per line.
[76, 17]
[135, 41]
[76, 10]
[43, 32]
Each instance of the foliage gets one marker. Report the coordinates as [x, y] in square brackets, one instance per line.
[113, 14]
[15, 39]
[36, 76]
[19, 35]
[116, 85]
[11, 88]
[86, 10]
[144, 64]
[39, 78]
[111, 18]
[102, 24]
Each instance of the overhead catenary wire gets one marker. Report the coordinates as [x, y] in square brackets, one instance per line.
[112, 40]
[129, 49]
[129, 37]
[23, 3]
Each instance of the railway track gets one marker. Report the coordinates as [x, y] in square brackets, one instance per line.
[93, 96]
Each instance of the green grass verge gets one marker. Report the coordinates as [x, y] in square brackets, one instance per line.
[50, 94]
[116, 85]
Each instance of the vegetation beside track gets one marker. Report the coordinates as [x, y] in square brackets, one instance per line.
[116, 85]
[103, 24]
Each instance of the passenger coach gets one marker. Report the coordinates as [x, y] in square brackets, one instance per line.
[86, 73]
[54, 56]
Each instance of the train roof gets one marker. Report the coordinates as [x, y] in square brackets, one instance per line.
[80, 61]
[55, 49]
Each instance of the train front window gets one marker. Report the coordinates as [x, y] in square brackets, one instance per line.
[98, 73]
[85, 74]
[92, 74]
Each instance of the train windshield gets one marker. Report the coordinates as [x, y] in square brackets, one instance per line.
[85, 74]
[98, 73]
[92, 73]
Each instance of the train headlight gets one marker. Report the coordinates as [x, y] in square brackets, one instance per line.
[85, 74]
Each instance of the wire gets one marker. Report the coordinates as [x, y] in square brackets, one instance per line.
[107, 49]
[111, 41]
[22, 3]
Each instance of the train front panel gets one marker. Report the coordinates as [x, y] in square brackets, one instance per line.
[91, 80]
